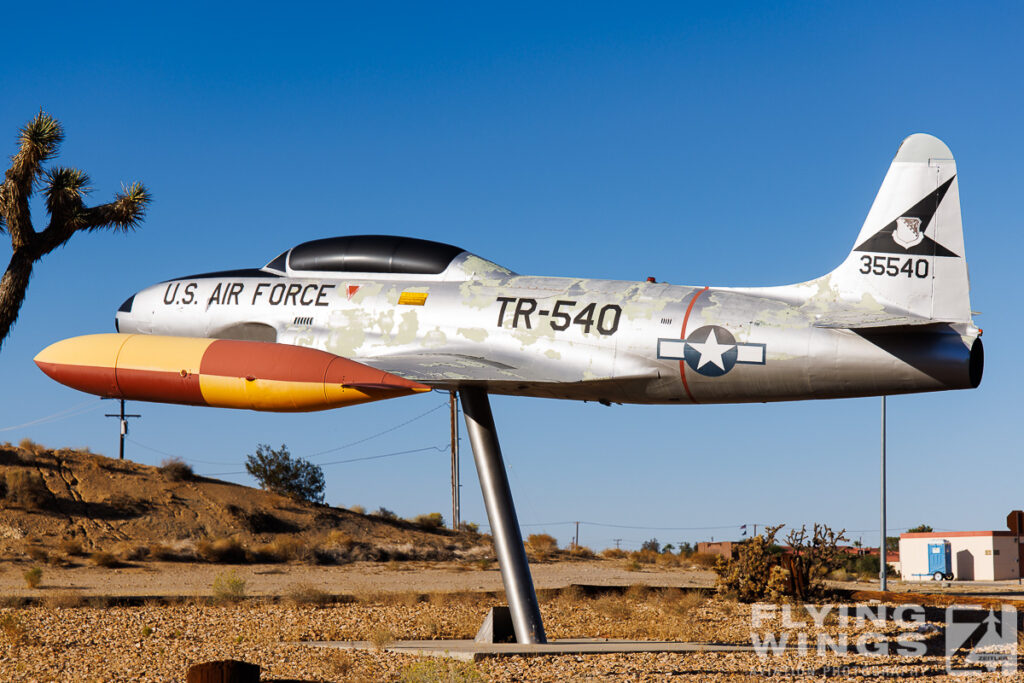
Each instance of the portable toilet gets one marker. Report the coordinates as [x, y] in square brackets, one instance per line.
[940, 561]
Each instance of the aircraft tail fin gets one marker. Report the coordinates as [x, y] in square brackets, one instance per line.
[909, 255]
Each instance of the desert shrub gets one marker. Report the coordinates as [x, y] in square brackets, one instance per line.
[72, 546]
[222, 550]
[651, 545]
[282, 549]
[278, 471]
[632, 565]
[613, 606]
[646, 556]
[613, 553]
[384, 513]
[32, 577]
[581, 552]
[131, 552]
[358, 509]
[431, 670]
[27, 489]
[705, 560]
[30, 446]
[431, 520]
[37, 554]
[541, 545]
[308, 594]
[64, 599]
[669, 560]
[381, 637]
[339, 538]
[470, 527]
[176, 469]
[14, 631]
[228, 587]
[162, 553]
[761, 571]
[105, 559]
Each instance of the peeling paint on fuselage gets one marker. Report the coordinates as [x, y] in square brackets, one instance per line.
[559, 337]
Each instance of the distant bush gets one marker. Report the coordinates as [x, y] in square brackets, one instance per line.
[222, 550]
[431, 520]
[541, 545]
[228, 587]
[705, 560]
[278, 471]
[103, 559]
[32, 577]
[358, 509]
[470, 527]
[27, 489]
[282, 549]
[384, 513]
[30, 446]
[71, 546]
[308, 594]
[176, 469]
[652, 545]
[613, 553]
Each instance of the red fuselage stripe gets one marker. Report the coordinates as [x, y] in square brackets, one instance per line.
[682, 335]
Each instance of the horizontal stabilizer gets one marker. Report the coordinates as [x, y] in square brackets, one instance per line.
[870, 320]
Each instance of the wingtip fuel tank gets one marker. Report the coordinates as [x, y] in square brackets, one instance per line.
[217, 372]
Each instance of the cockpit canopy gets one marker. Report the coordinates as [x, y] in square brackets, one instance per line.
[368, 254]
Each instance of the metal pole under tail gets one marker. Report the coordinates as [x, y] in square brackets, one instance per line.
[501, 513]
[881, 547]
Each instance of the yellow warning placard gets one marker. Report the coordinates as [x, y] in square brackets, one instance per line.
[412, 298]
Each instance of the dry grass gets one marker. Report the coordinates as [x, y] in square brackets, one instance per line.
[358, 509]
[340, 539]
[72, 547]
[222, 550]
[429, 670]
[381, 637]
[431, 520]
[30, 446]
[38, 554]
[26, 489]
[32, 577]
[613, 553]
[64, 599]
[228, 587]
[704, 560]
[282, 549]
[176, 469]
[131, 552]
[308, 594]
[162, 553]
[613, 606]
[105, 559]
[14, 631]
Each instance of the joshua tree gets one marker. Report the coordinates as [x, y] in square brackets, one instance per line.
[64, 190]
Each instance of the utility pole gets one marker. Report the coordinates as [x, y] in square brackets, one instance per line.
[453, 404]
[576, 542]
[124, 427]
[617, 542]
[881, 546]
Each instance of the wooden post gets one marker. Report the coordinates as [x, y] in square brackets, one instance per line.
[224, 671]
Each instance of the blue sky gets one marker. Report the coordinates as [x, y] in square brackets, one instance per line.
[711, 143]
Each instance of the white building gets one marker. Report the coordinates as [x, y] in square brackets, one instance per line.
[975, 555]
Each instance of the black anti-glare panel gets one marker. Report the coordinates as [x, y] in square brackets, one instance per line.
[373, 254]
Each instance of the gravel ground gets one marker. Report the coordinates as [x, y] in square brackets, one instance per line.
[158, 642]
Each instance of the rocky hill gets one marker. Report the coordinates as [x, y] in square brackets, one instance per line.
[58, 505]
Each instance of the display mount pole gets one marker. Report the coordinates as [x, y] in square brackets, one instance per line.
[881, 546]
[501, 513]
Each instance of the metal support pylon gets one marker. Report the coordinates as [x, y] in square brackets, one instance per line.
[501, 513]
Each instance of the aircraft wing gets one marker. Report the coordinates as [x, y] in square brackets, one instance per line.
[441, 368]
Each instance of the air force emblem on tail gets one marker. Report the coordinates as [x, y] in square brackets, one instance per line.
[908, 232]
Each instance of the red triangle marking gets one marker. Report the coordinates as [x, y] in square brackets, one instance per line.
[352, 289]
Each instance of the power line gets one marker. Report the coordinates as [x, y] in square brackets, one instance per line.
[374, 436]
[367, 457]
[73, 411]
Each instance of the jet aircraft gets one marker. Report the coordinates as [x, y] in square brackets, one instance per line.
[344, 320]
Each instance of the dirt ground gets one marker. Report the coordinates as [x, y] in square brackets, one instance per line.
[68, 632]
[190, 580]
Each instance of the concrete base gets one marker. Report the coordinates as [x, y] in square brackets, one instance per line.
[470, 650]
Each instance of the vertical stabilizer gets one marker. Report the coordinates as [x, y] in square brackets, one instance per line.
[909, 256]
